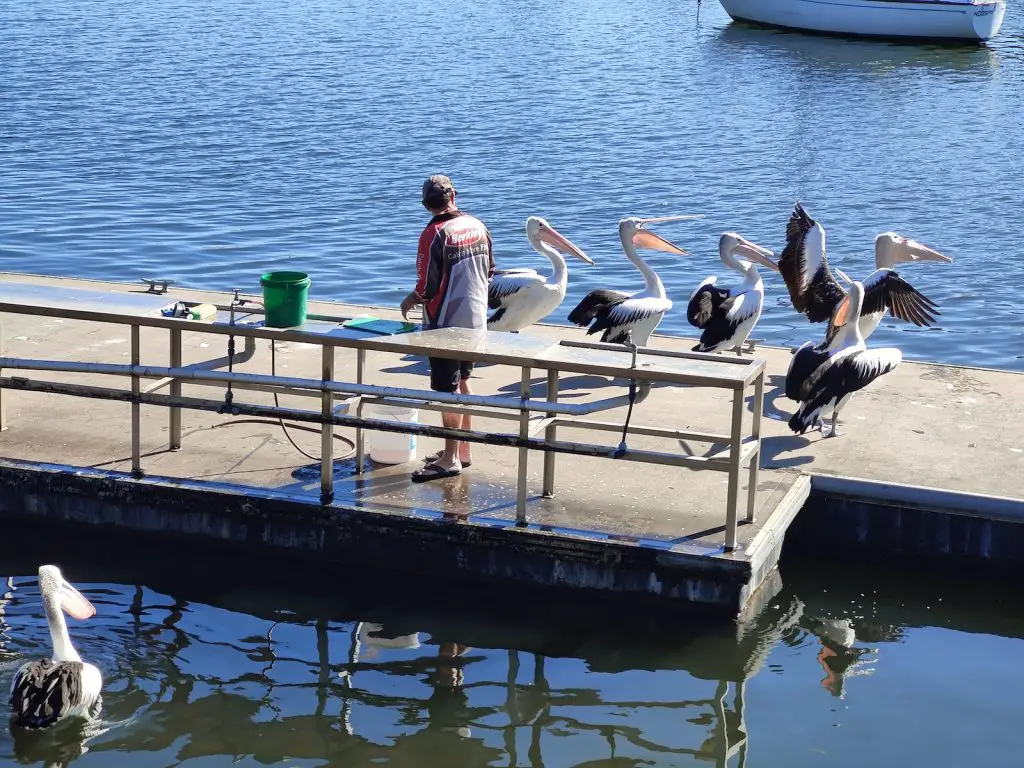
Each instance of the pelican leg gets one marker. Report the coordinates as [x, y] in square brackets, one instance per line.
[833, 430]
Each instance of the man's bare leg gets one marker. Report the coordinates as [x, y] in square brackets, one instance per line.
[465, 449]
[450, 455]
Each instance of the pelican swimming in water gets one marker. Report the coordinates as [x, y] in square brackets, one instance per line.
[823, 377]
[520, 295]
[816, 293]
[728, 315]
[49, 690]
[625, 317]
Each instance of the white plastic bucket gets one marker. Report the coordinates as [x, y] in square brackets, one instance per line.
[391, 447]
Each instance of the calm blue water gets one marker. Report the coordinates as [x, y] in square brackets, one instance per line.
[207, 141]
[220, 664]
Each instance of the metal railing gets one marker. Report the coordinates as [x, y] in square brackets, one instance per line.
[741, 451]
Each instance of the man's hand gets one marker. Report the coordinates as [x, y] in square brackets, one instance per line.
[408, 303]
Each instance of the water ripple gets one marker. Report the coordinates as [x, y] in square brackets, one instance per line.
[207, 143]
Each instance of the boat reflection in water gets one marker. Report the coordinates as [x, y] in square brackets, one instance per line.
[822, 56]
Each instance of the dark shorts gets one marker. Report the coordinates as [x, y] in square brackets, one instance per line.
[445, 373]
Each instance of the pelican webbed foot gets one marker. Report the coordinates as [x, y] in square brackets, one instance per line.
[832, 430]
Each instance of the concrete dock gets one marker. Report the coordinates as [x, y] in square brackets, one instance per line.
[938, 440]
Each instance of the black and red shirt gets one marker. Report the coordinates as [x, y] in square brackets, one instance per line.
[454, 263]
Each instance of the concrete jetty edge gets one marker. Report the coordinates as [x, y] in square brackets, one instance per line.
[585, 564]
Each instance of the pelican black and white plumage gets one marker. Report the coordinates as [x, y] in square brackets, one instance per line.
[522, 297]
[728, 315]
[822, 377]
[633, 317]
[49, 690]
[816, 293]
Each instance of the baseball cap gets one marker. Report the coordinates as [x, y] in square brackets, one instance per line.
[437, 189]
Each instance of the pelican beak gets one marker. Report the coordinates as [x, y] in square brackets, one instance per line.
[645, 239]
[555, 239]
[915, 251]
[756, 253]
[842, 312]
[74, 602]
[663, 219]
[844, 276]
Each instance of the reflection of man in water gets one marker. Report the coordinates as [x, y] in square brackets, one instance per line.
[448, 705]
[455, 498]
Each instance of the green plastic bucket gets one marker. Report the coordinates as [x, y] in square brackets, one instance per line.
[284, 298]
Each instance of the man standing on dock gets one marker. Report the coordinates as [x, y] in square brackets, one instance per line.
[454, 264]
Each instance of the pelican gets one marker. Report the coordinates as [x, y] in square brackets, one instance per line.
[728, 315]
[816, 293]
[49, 690]
[631, 317]
[825, 376]
[521, 296]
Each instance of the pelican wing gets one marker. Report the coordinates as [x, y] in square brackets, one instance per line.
[885, 289]
[633, 310]
[515, 271]
[863, 367]
[840, 375]
[503, 286]
[44, 691]
[804, 267]
[705, 302]
[805, 368]
[599, 300]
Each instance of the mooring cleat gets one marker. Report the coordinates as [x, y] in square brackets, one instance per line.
[154, 282]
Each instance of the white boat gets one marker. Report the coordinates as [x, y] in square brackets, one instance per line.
[975, 20]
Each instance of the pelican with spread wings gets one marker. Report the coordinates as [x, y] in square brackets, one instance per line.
[816, 293]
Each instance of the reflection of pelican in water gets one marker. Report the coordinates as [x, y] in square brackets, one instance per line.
[369, 635]
[839, 656]
[5, 598]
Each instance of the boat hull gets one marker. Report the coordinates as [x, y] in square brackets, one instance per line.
[920, 19]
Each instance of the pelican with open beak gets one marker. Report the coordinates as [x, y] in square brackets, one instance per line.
[49, 690]
[520, 296]
[624, 317]
[728, 315]
[823, 377]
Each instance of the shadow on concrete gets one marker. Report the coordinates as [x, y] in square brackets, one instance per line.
[771, 447]
[539, 387]
[777, 391]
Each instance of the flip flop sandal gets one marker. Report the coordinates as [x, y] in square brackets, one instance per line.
[435, 456]
[434, 472]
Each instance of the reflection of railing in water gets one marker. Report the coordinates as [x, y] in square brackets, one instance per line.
[204, 711]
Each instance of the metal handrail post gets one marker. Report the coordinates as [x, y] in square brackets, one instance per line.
[524, 452]
[3, 403]
[550, 434]
[327, 429]
[174, 422]
[360, 448]
[755, 460]
[735, 464]
[136, 406]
